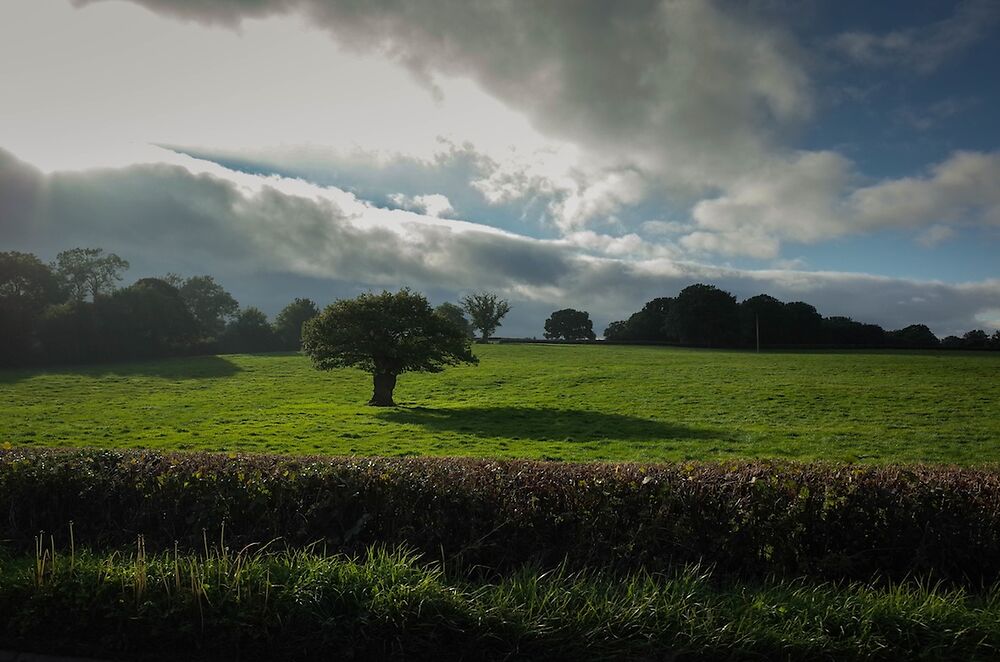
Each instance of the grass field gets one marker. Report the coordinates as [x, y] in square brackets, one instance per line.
[533, 401]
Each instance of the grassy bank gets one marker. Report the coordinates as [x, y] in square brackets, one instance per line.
[530, 401]
[300, 605]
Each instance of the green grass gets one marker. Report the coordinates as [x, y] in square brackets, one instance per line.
[533, 401]
[304, 605]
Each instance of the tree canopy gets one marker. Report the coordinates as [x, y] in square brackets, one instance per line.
[455, 315]
[288, 323]
[486, 310]
[249, 332]
[704, 315]
[209, 302]
[90, 271]
[569, 324]
[386, 335]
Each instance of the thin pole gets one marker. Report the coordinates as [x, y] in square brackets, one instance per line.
[756, 319]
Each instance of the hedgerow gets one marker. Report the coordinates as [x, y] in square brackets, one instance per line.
[791, 519]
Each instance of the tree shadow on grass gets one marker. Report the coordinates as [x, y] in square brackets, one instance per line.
[546, 424]
[191, 367]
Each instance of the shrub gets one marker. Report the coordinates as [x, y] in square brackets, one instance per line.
[823, 520]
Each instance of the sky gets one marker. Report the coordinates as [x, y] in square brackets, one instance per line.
[591, 155]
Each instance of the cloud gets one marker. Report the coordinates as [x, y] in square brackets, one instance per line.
[963, 188]
[934, 235]
[197, 217]
[432, 204]
[796, 199]
[635, 84]
[925, 48]
[814, 196]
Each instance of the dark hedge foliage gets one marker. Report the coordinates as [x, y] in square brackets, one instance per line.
[822, 520]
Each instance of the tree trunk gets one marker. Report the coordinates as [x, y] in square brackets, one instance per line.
[385, 382]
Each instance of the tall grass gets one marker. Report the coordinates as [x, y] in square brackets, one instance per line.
[261, 603]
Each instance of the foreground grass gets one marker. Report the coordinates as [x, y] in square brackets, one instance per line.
[556, 402]
[258, 605]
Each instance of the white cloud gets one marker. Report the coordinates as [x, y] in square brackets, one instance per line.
[964, 187]
[432, 204]
[797, 199]
[812, 197]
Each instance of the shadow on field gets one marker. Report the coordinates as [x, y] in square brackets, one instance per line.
[197, 367]
[545, 424]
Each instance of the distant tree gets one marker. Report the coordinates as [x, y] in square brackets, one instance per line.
[805, 325]
[86, 271]
[68, 333]
[704, 315]
[209, 302]
[995, 340]
[146, 319]
[569, 324]
[767, 314]
[916, 336]
[617, 330]
[288, 323]
[845, 332]
[486, 310]
[249, 332]
[975, 339]
[455, 315]
[27, 286]
[951, 342]
[26, 279]
[386, 335]
[650, 323]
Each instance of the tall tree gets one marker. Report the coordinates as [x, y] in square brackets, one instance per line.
[804, 323]
[288, 323]
[209, 302]
[650, 323]
[569, 324]
[704, 315]
[90, 271]
[486, 310]
[386, 335]
[762, 316]
[27, 286]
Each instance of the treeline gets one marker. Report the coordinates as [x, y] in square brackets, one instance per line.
[72, 311]
[704, 315]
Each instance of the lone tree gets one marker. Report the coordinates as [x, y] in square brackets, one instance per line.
[569, 324]
[385, 334]
[486, 310]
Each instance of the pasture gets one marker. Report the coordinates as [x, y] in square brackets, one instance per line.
[574, 403]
